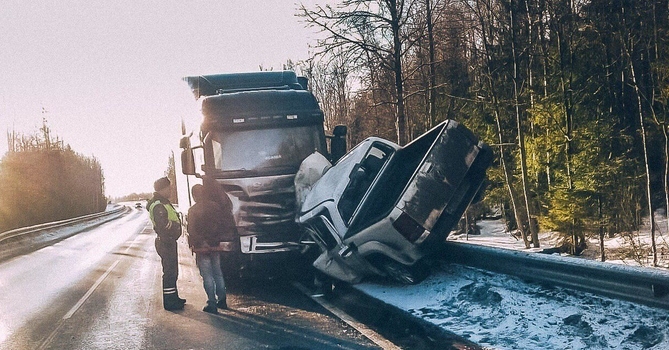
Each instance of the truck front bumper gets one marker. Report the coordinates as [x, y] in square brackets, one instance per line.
[251, 245]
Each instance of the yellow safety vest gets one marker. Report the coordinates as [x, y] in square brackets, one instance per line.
[172, 214]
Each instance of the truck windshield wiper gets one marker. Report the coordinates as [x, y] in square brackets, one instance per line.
[241, 170]
[280, 170]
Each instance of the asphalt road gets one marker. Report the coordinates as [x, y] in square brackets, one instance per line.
[101, 289]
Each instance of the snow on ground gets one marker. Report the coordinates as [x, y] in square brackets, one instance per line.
[503, 312]
[618, 248]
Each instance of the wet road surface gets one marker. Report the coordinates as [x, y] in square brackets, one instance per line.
[101, 289]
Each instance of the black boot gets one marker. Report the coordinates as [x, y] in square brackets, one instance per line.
[210, 308]
[172, 302]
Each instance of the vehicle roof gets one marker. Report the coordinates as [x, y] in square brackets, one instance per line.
[222, 109]
[209, 85]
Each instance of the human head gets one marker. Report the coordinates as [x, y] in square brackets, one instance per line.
[198, 192]
[162, 185]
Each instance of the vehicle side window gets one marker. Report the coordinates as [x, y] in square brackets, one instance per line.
[360, 179]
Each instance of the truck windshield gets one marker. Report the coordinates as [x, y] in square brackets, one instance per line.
[264, 149]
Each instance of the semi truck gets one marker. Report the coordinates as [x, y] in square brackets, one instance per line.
[255, 130]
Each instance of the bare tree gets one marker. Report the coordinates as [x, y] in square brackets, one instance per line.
[367, 29]
[329, 80]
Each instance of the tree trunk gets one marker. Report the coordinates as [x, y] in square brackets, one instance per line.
[653, 246]
[602, 252]
[433, 75]
[663, 125]
[666, 171]
[401, 121]
[521, 135]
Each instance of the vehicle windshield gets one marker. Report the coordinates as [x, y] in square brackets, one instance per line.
[262, 149]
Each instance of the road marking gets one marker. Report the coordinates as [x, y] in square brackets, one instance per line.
[83, 299]
[78, 305]
[97, 283]
[369, 333]
[90, 291]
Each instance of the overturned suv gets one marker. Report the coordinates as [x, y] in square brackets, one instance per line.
[382, 209]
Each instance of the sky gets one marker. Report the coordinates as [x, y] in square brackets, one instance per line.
[107, 75]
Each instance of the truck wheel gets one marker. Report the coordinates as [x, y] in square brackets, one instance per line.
[406, 274]
[230, 266]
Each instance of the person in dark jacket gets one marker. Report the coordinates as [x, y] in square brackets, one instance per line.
[210, 231]
[167, 224]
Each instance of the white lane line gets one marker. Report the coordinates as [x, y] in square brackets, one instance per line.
[83, 299]
[97, 283]
[90, 291]
[369, 333]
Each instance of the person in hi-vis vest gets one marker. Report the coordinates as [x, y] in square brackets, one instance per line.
[167, 224]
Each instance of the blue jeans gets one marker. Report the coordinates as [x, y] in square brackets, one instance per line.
[209, 264]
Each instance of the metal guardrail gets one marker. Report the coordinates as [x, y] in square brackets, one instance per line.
[26, 239]
[641, 285]
[16, 233]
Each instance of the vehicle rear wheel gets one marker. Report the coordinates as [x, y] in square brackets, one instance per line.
[406, 274]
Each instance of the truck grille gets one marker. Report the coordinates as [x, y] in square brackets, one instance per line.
[265, 208]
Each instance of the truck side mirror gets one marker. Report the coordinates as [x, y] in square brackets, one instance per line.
[184, 143]
[338, 142]
[188, 162]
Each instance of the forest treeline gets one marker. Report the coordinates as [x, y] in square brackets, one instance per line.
[44, 180]
[571, 94]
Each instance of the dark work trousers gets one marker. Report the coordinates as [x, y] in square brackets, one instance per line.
[167, 250]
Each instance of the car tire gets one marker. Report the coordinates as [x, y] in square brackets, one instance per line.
[405, 274]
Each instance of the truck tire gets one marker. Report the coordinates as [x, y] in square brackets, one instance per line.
[230, 266]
